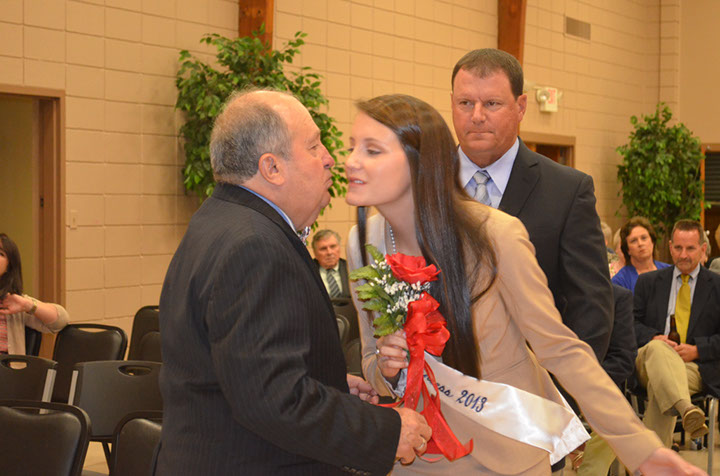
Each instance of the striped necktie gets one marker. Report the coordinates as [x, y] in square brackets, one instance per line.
[333, 284]
[682, 308]
[480, 193]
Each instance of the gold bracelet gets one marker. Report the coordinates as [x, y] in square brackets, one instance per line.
[34, 306]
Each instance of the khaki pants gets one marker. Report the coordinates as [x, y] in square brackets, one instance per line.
[667, 379]
[597, 457]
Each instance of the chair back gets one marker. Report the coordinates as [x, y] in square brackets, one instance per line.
[47, 439]
[345, 307]
[33, 339]
[343, 328]
[25, 377]
[135, 441]
[150, 348]
[109, 390]
[353, 357]
[146, 322]
[83, 343]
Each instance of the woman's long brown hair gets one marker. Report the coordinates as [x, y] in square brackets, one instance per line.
[448, 233]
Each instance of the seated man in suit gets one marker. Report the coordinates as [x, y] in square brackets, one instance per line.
[333, 269]
[254, 379]
[670, 371]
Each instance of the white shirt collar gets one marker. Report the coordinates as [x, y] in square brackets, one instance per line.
[693, 274]
[499, 170]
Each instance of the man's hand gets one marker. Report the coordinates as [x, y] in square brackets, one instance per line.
[665, 339]
[414, 435]
[687, 352]
[664, 461]
[362, 389]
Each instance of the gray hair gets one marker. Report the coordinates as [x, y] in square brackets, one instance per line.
[246, 129]
[323, 234]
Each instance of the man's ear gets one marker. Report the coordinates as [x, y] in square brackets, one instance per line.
[272, 168]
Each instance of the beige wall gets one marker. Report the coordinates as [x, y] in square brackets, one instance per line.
[16, 177]
[116, 61]
[700, 68]
[366, 48]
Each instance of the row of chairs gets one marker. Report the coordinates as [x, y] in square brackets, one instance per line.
[87, 372]
[51, 439]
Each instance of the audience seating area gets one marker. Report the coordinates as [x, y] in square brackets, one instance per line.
[97, 396]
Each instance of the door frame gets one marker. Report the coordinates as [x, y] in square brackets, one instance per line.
[48, 187]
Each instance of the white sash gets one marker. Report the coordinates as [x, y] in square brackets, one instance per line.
[512, 412]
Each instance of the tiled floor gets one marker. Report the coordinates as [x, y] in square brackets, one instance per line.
[95, 461]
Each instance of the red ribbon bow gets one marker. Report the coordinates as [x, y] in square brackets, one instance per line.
[425, 329]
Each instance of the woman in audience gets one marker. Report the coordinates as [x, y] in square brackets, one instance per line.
[18, 310]
[637, 242]
[619, 259]
[491, 290]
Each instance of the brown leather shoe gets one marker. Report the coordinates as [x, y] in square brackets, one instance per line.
[693, 422]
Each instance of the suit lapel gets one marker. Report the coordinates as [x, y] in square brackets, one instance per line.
[232, 193]
[699, 299]
[524, 176]
[663, 286]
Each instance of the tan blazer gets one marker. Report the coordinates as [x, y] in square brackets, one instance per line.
[519, 308]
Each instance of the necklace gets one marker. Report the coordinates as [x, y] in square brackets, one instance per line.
[392, 238]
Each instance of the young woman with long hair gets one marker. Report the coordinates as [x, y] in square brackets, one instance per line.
[491, 291]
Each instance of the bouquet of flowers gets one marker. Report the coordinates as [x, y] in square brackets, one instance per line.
[396, 287]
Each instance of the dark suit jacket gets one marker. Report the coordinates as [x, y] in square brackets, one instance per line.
[253, 378]
[652, 293]
[557, 206]
[342, 269]
[619, 361]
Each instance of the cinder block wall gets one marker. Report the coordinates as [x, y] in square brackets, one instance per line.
[116, 61]
[364, 48]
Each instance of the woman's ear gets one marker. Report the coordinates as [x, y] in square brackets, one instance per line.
[272, 168]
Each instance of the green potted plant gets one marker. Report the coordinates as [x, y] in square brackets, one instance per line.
[242, 62]
[660, 171]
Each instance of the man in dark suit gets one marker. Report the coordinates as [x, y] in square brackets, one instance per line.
[687, 295]
[253, 378]
[555, 203]
[333, 269]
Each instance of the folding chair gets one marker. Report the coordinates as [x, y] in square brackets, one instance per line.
[145, 335]
[84, 343]
[25, 377]
[111, 389]
[47, 439]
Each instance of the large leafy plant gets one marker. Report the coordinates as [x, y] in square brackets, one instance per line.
[242, 62]
[660, 171]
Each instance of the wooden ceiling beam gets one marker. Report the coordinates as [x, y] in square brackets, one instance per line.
[511, 27]
[254, 13]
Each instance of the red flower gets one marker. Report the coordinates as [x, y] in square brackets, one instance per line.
[411, 269]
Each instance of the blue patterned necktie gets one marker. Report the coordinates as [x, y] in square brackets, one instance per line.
[481, 194]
